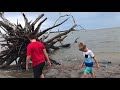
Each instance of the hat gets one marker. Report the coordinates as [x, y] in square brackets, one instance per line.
[82, 46]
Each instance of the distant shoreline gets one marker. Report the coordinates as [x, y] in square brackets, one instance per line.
[109, 28]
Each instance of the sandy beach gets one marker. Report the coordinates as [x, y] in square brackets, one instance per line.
[106, 70]
[105, 43]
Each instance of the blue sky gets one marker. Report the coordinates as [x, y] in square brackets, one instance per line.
[88, 20]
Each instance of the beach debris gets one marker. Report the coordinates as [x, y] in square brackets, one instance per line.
[16, 38]
[65, 45]
[54, 61]
[105, 62]
[76, 40]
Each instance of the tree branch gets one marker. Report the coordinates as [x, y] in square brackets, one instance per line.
[39, 34]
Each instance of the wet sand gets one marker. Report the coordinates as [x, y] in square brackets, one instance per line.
[70, 70]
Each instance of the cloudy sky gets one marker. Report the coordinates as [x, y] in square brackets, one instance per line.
[88, 20]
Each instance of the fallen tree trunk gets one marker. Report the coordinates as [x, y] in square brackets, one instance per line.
[16, 39]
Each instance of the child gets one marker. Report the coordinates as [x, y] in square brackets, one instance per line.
[36, 51]
[88, 60]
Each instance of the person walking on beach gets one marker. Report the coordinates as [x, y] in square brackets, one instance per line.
[36, 51]
[88, 60]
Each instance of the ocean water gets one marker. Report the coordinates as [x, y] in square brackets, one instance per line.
[105, 43]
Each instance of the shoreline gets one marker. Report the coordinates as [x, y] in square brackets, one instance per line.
[104, 43]
[70, 70]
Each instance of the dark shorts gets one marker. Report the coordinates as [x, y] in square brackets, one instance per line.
[37, 70]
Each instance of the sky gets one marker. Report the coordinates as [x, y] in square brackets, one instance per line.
[88, 20]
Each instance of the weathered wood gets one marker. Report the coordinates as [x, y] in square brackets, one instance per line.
[16, 39]
[38, 27]
[66, 32]
[7, 22]
[37, 19]
[44, 31]
[76, 40]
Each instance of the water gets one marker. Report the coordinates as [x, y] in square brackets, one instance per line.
[105, 43]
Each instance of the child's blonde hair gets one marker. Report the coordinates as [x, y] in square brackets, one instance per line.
[82, 46]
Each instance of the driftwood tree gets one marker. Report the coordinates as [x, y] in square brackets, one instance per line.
[16, 38]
